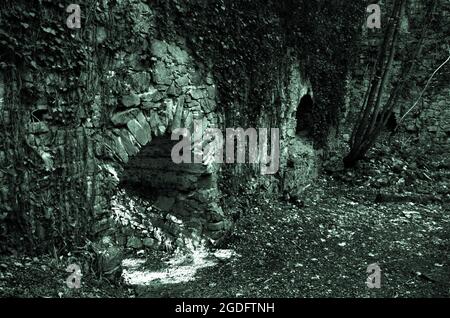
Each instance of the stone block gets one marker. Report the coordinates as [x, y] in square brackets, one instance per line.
[174, 90]
[123, 117]
[131, 100]
[149, 242]
[143, 122]
[182, 81]
[136, 129]
[38, 128]
[212, 92]
[196, 93]
[162, 74]
[159, 48]
[178, 115]
[156, 124]
[208, 105]
[130, 147]
[140, 81]
[148, 96]
[149, 105]
[119, 149]
[207, 195]
[134, 242]
[179, 55]
[109, 259]
[218, 226]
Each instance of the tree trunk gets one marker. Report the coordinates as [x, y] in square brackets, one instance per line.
[373, 118]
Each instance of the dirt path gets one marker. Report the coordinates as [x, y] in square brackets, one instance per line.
[321, 249]
[324, 249]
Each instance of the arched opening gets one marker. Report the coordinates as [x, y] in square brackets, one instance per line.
[304, 116]
[153, 174]
[167, 202]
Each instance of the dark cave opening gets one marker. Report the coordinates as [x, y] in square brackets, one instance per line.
[304, 116]
[175, 188]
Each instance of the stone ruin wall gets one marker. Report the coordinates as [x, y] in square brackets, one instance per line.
[132, 102]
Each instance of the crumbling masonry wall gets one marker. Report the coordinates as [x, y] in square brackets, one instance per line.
[89, 114]
[74, 141]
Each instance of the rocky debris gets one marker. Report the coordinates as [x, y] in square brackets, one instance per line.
[401, 172]
[109, 257]
[301, 167]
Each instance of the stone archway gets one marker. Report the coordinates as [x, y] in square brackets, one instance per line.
[184, 197]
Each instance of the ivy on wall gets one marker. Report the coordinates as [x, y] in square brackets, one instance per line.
[246, 42]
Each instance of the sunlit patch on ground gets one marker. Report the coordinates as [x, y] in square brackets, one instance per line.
[180, 268]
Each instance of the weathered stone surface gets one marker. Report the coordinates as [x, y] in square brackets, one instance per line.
[188, 119]
[109, 257]
[303, 167]
[154, 103]
[182, 80]
[207, 195]
[156, 124]
[216, 226]
[123, 117]
[149, 242]
[196, 93]
[169, 106]
[178, 115]
[140, 81]
[173, 90]
[134, 242]
[131, 100]
[161, 74]
[215, 211]
[208, 105]
[152, 95]
[212, 92]
[195, 105]
[159, 48]
[209, 80]
[143, 122]
[119, 149]
[180, 56]
[147, 105]
[38, 128]
[130, 147]
[136, 129]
